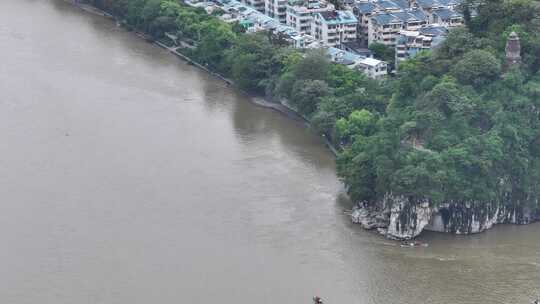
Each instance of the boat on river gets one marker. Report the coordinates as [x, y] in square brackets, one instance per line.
[413, 244]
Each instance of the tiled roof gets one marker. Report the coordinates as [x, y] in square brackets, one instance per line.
[365, 7]
[428, 3]
[446, 14]
[386, 18]
[398, 17]
[434, 30]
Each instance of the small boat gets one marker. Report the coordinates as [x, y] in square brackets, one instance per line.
[317, 300]
[414, 244]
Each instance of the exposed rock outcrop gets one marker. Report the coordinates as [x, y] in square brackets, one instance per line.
[399, 218]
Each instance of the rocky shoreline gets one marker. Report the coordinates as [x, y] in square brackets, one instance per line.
[398, 218]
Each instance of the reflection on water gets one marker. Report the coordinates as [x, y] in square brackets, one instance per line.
[128, 176]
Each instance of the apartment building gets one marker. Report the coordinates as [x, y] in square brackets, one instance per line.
[334, 28]
[385, 27]
[364, 10]
[409, 43]
[299, 13]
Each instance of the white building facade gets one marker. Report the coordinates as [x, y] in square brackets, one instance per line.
[334, 28]
[299, 13]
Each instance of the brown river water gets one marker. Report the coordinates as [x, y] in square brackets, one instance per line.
[128, 176]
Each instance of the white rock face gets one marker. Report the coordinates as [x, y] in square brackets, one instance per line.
[369, 218]
[397, 218]
[406, 221]
[471, 221]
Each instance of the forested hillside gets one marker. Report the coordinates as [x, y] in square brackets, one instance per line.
[459, 128]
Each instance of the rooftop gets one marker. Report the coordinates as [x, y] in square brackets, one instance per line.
[393, 4]
[446, 14]
[371, 61]
[434, 30]
[338, 17]
[365, 7]
[399, 17]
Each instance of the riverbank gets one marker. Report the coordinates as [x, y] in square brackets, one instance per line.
[259, 101]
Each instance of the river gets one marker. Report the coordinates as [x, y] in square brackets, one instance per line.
[128, 176]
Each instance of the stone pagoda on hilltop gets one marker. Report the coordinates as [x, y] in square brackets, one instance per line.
[513, 51]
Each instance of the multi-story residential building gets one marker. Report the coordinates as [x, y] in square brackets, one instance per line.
[334, 28]
[276, 9]
[385, 27]
[300, 13]
[410, 43]
[363, 12]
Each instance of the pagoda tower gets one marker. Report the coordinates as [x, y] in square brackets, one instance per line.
[513, 51]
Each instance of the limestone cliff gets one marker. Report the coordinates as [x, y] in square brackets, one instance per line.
[399, 218]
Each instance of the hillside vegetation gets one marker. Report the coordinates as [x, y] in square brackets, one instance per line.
[458, 128]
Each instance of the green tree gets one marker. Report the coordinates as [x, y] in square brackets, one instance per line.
[383, 52]
[477, 68]
[307, 94]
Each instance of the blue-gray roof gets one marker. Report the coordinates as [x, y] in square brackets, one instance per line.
[418, 14]
[346, 58]
[386, 18]
[392, 4]
[446, 14]
[403, 4]
[398, 17]
[434, 30]
[365, 7]
[428, 3]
